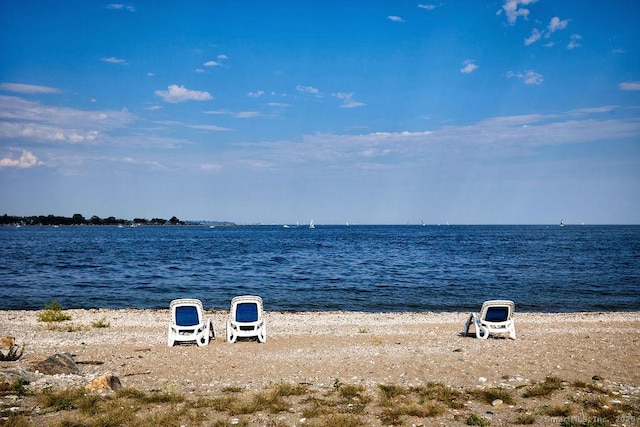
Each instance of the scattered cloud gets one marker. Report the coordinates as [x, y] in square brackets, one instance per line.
[120, 6]
[212, 64]
[278, 104]
[428, 6]
[528, 77]
[468, 67]
[513, 10]
[246, 114]
[630, 85]
[575, 41]
[223, 57]
[26, 160]
[347, 100]
[618, 51]
[27, 89]
[395, 18]
[308, 89]
[237, 115]
[211, 167]
[256, 94]
[114, 60]
[23, 119]
[175, 94]
[556, 24]
[208, 127]
[534, 37]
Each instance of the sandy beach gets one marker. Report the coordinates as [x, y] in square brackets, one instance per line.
[364, 349]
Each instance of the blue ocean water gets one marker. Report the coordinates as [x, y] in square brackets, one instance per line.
[356, 268]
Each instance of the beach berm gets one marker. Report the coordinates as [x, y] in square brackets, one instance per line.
[572, 363]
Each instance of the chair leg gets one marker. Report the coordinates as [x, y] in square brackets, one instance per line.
[262, 334]
[467, 325]
[482, 332]
[212, 333]
[170, 340]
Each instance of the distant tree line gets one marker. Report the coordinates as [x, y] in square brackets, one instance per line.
[78, 219]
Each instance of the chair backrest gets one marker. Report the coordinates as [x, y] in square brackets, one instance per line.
[247, 312]
[187, 316]
[497, 310]
[186, 312]
[246, 308]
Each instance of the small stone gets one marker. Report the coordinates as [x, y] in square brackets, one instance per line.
[7, 342]
[497, 402]
[597, 378]
[105, 382]
[482, 379]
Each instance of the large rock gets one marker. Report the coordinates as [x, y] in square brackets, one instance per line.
[59, 363]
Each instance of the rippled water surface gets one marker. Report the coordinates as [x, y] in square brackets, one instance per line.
[357, 268]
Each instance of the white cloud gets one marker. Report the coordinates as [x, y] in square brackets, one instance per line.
[395, 18]
[575, 41]
[528, 77]
[26, 88]
[120, 6]
[208, 127]
[513, 9]
[211, 167]
[114, 60]
[246, 114]
[211, 64]
[175, 94]
[534, 37]
[278, 104]
[556, 24]
[630, 85]
[428, 6]
[308, 89]
[26, 160]
[469, 67]
[618, 51]
[256, 94]
[347, 100]
[239, 115]
[20, 118]
[223, 57]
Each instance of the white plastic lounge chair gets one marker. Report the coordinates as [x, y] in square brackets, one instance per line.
[188, 323]
[495, 318]
[246, 319]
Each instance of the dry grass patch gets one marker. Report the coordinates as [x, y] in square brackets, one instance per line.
[488, 395]
[545, 388]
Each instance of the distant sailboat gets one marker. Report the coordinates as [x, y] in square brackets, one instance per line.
[561, 223]
[311, 225]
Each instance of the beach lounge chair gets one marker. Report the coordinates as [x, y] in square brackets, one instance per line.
[246, 319]
[188, 323]
[495, 318]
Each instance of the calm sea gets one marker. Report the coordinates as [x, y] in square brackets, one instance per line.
[357, 268]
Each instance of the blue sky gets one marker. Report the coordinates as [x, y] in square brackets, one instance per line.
[372, 112]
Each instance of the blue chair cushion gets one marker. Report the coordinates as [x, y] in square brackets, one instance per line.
[497, 314]
[187, 316]
[247, 312]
